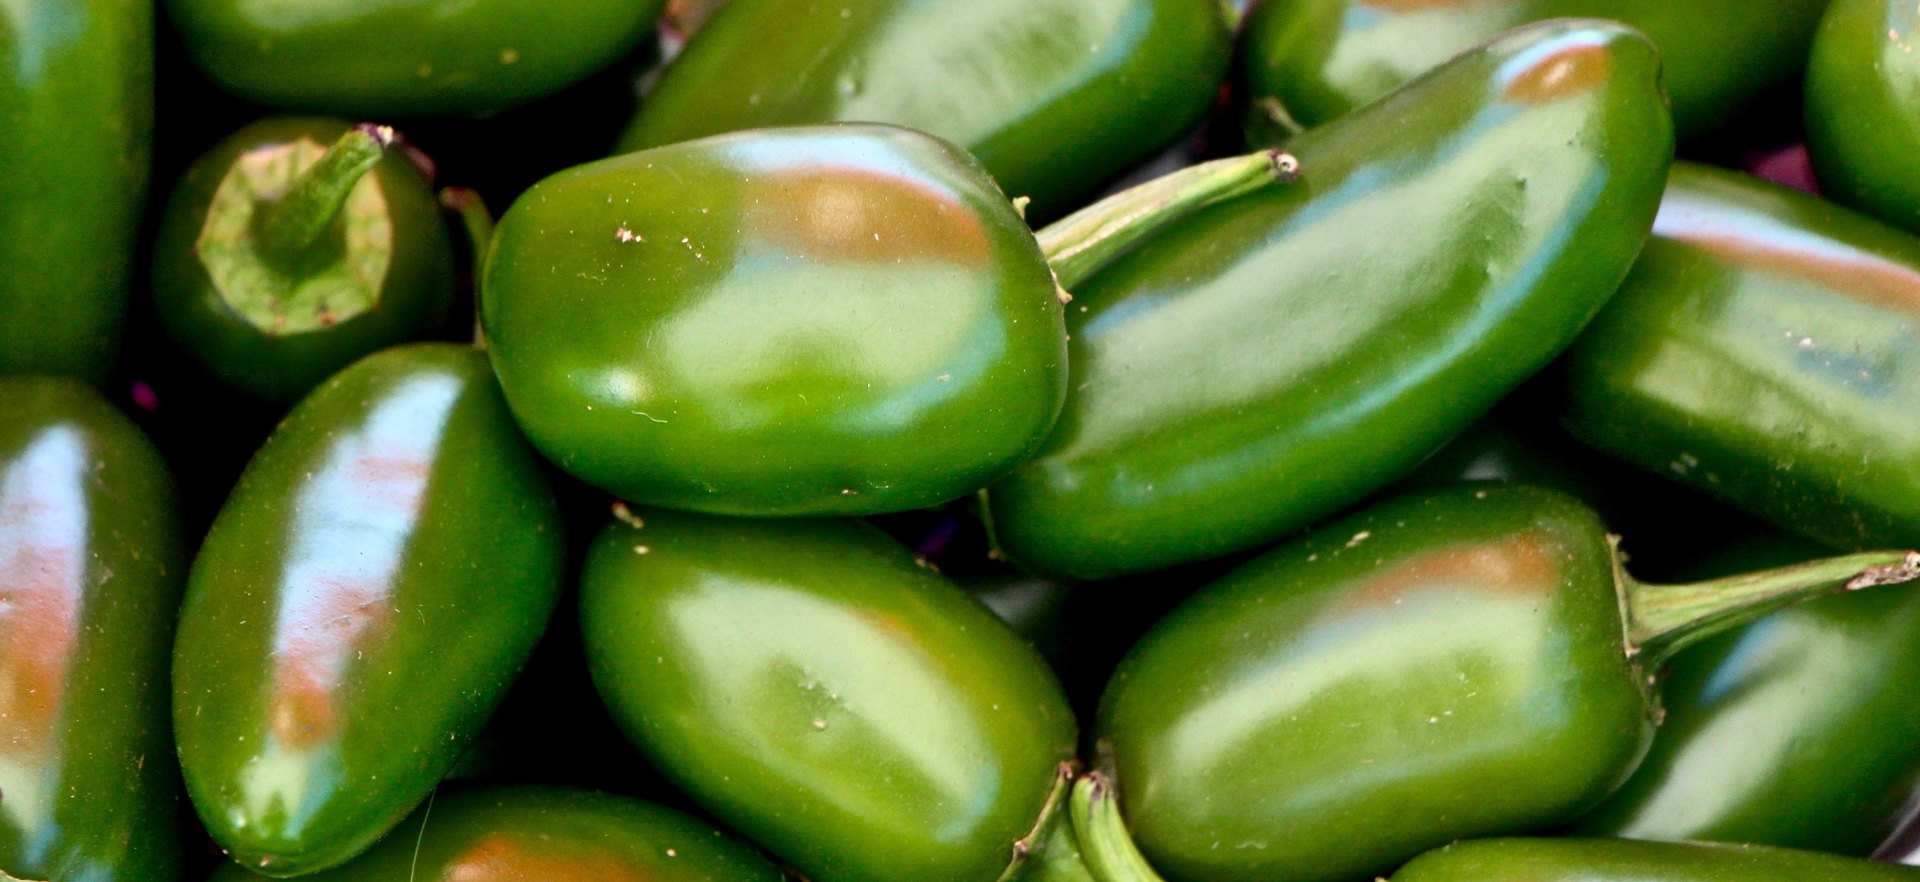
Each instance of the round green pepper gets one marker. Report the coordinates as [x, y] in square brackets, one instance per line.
[814, 687]
[1862, 113]
[1607, 860]
[294, 248]
[382, 570]
[91, 559]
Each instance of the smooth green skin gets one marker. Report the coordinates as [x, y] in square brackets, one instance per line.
[92, 561]
[1278, 357]
[819, 691]
[374, 582]
[1323, 58]
[1603, 860]
[1443, 665]
[1054, 96]
[76, 121]
[416, 294]
[1863, 108]
[1765, 350]
[539, 834]
[824, 320]
[1801, 730]
[377, 58]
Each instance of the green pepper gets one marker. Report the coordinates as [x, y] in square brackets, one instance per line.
[1277, 357]
[1801, 730]
[1862, 115]
[1608, 860]
[76, 121]
[382, 570]
[91, 560]
[296, 247]
[370, 58]
[1054, 96]
[1465, 662]
[817, 689]
[540, 834]
[1765, 350]
[1305, 62]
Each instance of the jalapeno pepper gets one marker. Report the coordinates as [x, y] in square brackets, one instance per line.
[1863, 119]
[1607, 860]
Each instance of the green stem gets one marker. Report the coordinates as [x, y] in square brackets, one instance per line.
[1664, 619]
[478, 222]
[1105, 844]
[1083, 243]
[293, 223]
[1048, 852]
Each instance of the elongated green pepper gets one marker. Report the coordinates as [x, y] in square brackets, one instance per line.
[91, 564]
[76, 120]
[1765, 350]
[1054, 96]
[1606, 860]
[1277, 357]
[1862, 114]
[1306, 62]
[814, 687]
[380, 573]
[539, 834]
[1465, 662]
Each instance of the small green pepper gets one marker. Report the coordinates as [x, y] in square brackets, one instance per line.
[1278, 357]
[1305, 62]
[1465, 662]
[1766, 351]
[1862, 114]
[296, 247]
[814, 687]
[540, 834]
[1054, 96]
[1610, 860]
[382, 570]
[76, 121]
[91, 566]
[370, 58]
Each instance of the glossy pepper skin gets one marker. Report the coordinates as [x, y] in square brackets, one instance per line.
[808, 321]
[541, 834]
[1603, 860]
[1862, 114]
[76, 121]
[815, 688]
[386, 266]
[1439, 666]
[1765, 350]
[91, 566]
[1319, 59]
[367, 58]
[380, 573]
[1278, 357]
[1798, 731]
[1054, 96]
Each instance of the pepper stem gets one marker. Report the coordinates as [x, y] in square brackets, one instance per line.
[1048, 853]
[1083, 243]
[293, 223]
[478, 222]
[1664, 619]
[1105, 844]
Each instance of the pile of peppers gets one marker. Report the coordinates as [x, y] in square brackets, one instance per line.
[960, 441]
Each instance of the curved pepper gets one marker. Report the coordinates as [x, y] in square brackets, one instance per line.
[363, 600]
[1862, 115]
[1801, 730]
[1608, 860]
[296, 247]
[76, 122]
[1277, 357]
[814, 687]
[1306, 62]
[1054, 96]
[1765, 350]
[370, 58]
[1465, 662]
[91, 565]
[541, 834]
